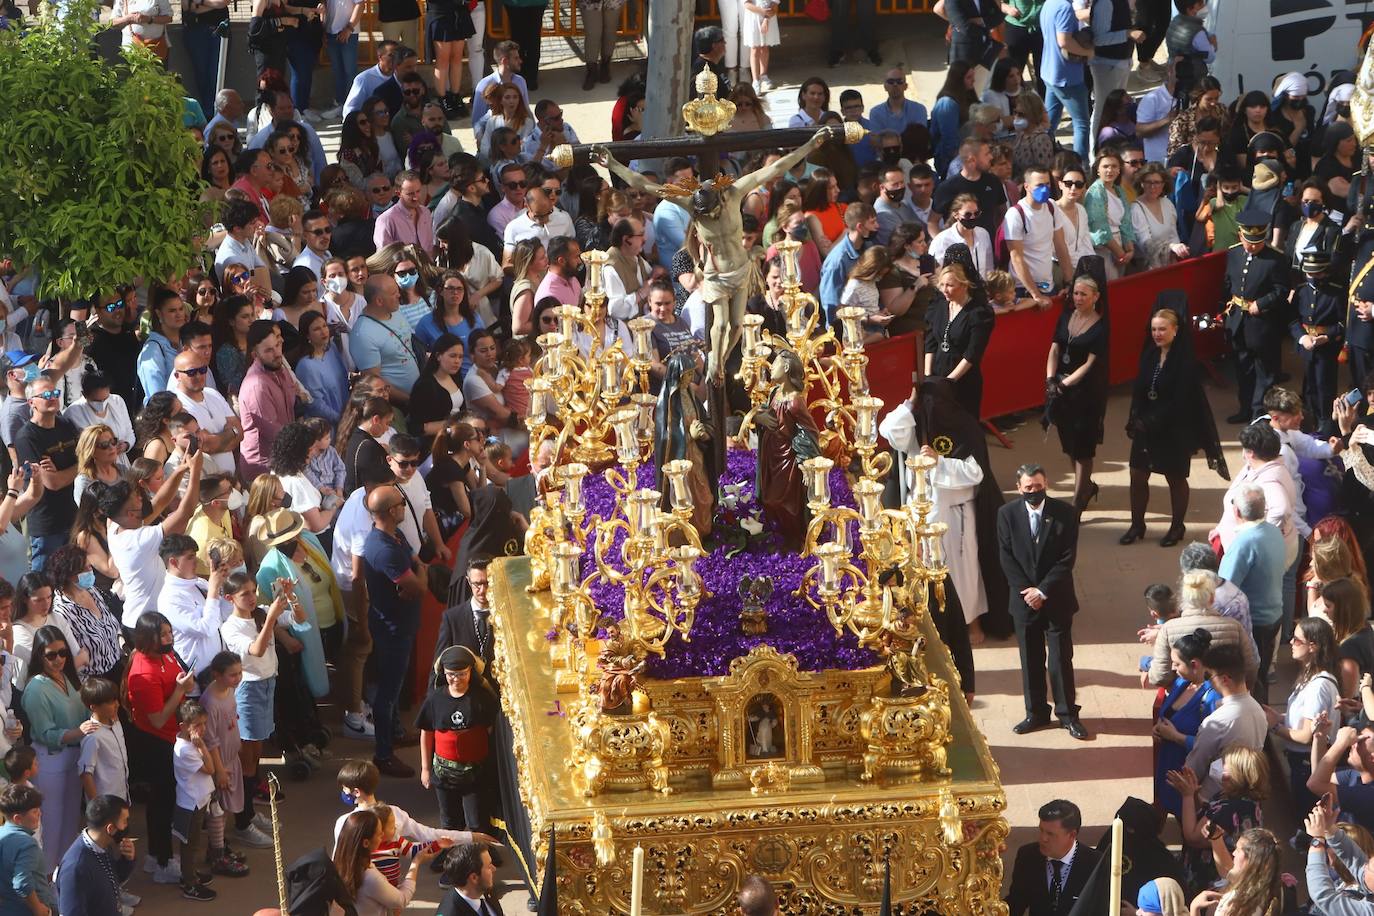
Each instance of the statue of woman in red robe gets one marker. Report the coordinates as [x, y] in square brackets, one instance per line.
[787, 436]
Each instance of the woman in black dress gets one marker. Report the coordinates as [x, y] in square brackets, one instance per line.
[1076, 376]
[959, 327]
[1170, 418]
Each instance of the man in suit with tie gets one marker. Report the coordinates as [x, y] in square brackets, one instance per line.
[471, 876]
[469, 624]
[1049, 874]
[1037, 539]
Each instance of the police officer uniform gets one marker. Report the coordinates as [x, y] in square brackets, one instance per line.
[1360, 330]
[1319, 330]
[1255, 279]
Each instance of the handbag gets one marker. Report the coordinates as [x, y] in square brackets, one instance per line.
[818, 10]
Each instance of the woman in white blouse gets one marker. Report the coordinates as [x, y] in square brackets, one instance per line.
[143, 23]
[1078, 239]
[964, 214]
[33, 610]
[1155, 220]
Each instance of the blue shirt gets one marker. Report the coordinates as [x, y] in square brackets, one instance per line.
[670, 228]
[365, 87]
[882, 117]
[326, 378]
[835, 271]
[428, 331]
[1057, 70]
[864, 151]
[386, 559]
[155, 364]
[21, 871]
[1254, 562]
[374, 343]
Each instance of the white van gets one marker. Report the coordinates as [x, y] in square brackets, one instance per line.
[1260, 40]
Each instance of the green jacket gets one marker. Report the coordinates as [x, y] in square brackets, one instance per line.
[1027, 14]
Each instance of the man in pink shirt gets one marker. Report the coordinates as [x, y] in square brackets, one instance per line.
[409, 221]
[561, 279]
[512, 203]
[267, 397]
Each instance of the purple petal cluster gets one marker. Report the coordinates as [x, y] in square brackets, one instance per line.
[793, 625]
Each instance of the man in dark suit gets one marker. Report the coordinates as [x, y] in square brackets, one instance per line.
[469, 624]
[1255, 293]
[1049, 874]
[1037, 539]
[471, 876]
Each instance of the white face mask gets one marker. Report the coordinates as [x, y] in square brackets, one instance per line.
[236, 500]
[1020, 123]
[97, 406]
[336, 285]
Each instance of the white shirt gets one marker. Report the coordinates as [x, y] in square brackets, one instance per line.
[304, 494]
[1317, 695]
[106, 757]
[1063, 872]
[195, 619]
[116, 417]
[983, 258]
[524, 227]
[418, 496]
[23, 644]
[231, 250]
[1077, 236]
[149, 32]
[1034, 228]
[194, 785]
[350, 533]
[134, 553]
[308, 258]
[238, 634]
[210, 412]
[337, 13]
[409, 828]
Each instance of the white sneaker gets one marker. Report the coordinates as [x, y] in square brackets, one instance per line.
[330, 114]
[357, 726]
[253, 838]
[128, 899]
[149, 864]
[765, 84]
[312, 116]
[168, 874]
[262, 822]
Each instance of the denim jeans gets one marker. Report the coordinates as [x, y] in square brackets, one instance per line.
[302, 54]
[343, 63]
[202, 47]
[391, 650]
[42, 546]
[1075, 99]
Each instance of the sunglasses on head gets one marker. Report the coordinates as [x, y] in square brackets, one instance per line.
[53, 655]
[195, 370]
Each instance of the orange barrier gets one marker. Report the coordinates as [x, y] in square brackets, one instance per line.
[1014, 364]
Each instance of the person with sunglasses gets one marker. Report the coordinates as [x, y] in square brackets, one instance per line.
[98, 458]
[114, 347]
[318, 232]
[510, 181]
[541, 218]
[48, 442]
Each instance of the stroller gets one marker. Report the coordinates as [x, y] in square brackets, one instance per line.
[300, 734]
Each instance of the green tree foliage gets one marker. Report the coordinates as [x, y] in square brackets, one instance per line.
[98, 178]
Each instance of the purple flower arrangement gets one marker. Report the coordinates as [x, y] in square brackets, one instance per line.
[716, 639]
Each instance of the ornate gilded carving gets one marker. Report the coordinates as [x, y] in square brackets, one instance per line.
[618, 753]
[907, 735]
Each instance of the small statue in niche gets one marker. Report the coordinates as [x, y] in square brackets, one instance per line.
[754, 591]
[766, 737]
[620, 666]
[904, 664]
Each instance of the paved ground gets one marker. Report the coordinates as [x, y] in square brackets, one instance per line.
[1097, 774]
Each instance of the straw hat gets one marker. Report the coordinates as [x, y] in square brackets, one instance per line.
[282, 525]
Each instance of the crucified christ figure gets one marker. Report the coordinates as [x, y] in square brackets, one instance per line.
[715, 209]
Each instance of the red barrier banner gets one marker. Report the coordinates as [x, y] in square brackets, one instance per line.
[1014, 364]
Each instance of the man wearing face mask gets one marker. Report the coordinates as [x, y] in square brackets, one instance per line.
[1034, 233]
[892, 207]
[101, 859]
[1255, 296]
[20, 368]
[1037, 538]
[220, 430]
[98, 404]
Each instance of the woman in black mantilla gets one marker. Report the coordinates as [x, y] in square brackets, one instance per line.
[1170, 417]
[1076, 375]
[680, 432]
[959, 323]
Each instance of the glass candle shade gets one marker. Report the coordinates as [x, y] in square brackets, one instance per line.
[642, 511]
[624, 421]
[641, 331]
[831, 557]
[851, 324]
[596, 262]
[749, 343]
[866, 420]
[689, 583]
[869, 495]
[679, 493]
[612, 388]
[787, 255]
[816, 474]
[573, 474]
[567, 558]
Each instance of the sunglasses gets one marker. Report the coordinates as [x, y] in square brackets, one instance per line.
[53, 655]
[206, 291]
[325, 231]
[1070, 183]
[240, 278]
[412, 272]
[52, 395]
[412, 92]
[114, 306]
[510, 185]
[453, 289]
[1135, 163]
[380, 189]
[896, 82]
[408, 462]
[552, 192]
[197, 370]
[105, 443]
[481, 431]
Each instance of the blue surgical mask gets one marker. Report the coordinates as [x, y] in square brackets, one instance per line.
[1019, 123]
[1040, 193]
[1311, 208]
[86, 579]
[347, 798]
[31, 372]
[407, 281]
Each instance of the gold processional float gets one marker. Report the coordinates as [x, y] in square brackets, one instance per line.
[665, 793]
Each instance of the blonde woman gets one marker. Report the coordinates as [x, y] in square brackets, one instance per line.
[751, 112]
[529, 263]
[1212, 829]
[1330, 559]
[97, 458]
[1155, 220]
[265, 495]
[959, 329]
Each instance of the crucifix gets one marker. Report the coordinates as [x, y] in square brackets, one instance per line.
[714, 204]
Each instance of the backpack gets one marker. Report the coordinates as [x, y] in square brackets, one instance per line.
[1001, 252]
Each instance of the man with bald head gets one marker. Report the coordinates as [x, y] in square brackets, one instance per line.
[220, 430]
[395, 582]
[756, 897]
[380, 339]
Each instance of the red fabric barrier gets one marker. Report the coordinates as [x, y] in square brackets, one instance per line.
[1014, 364]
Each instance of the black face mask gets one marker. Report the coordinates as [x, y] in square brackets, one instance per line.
[892, 155]
[1342, 109]
[286, 501]
[1231, 195]
[1034, 499]
[1297, 104]
[896, 196]
[968, 222]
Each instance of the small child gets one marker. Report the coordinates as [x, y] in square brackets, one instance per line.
[390, 855]
[455, 721]
[22, 808]
[498, 455]
[21, 763]
[358, 781]
[759, 33]
[222, 738]
[1160, 602]
[515, 375]
[1001, 287]
[193, 765]
[104, 761]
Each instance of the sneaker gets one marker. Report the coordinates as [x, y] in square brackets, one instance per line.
[262, 822]
[358, 726]
[394, 767]
[198, 892]
[150, 864]
[311, 115]
[128, 899]
[765, 84]
[168, 874]
[253, 838]
[224, 865]
[330, 114]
